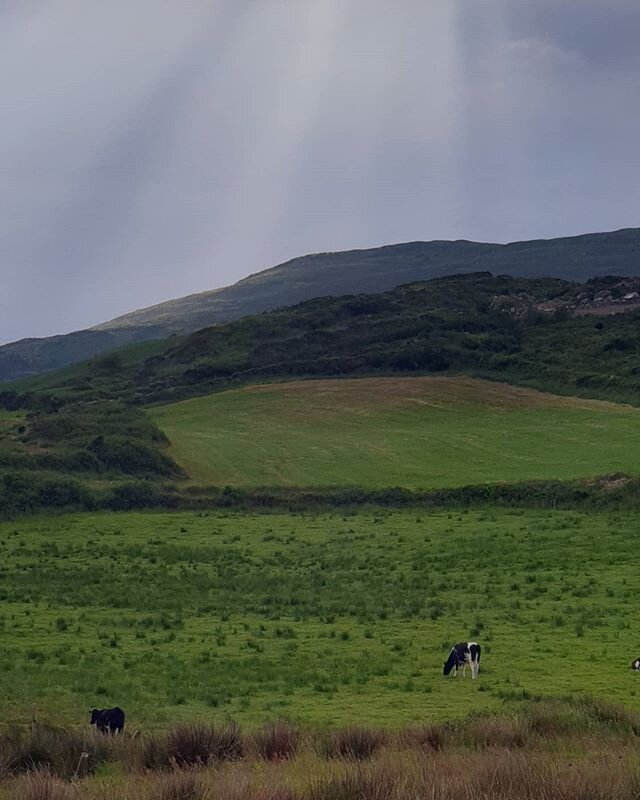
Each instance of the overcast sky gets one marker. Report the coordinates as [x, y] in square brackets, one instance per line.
[154, 148]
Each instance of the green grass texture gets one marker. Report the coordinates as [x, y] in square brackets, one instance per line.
[325, 619]
[419, 432]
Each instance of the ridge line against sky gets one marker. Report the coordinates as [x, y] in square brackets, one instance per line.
[102, 324]
[152, 150]
[354, 249]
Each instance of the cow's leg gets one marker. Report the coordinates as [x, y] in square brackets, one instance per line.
[468, 660]
[474, 668]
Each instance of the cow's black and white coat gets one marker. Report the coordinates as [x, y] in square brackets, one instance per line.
[636, 664]
[462, 655]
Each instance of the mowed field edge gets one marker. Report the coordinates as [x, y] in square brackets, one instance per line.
[418, 432]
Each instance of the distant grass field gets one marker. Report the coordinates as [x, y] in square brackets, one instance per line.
[326, 619]
[414, 432]
[9, 418]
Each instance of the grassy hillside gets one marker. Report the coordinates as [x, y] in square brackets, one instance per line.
[29, 357]
[87, 422]
[327, 619]
[466, 324]
[413, 432]
[357, 271]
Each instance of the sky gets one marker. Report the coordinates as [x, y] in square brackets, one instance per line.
[150, 149]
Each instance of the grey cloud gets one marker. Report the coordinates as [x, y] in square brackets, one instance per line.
[151, 148]
[605, 34]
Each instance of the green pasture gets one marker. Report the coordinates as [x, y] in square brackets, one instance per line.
[326, 619]
[414, 432]
[8, 419]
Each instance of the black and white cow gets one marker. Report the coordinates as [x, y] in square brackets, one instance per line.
[462, 655]
[635, 664]
[108, 720]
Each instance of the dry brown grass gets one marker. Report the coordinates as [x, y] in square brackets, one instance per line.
[354, 394]
[182, 785]
[495, 774]
[574, 749]
[42, 786]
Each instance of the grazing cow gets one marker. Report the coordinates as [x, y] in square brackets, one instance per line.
[635, 664]
[461, 655]
[108, 720]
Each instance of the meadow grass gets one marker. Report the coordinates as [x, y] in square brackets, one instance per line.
[9, 423]
[9, 417]
[412, 432]
[325, 619]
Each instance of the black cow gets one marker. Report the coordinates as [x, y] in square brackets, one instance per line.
[108, 720]
[461, 655]
[635, 664]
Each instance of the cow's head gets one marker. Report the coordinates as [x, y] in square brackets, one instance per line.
[450, 663]
[94, 716]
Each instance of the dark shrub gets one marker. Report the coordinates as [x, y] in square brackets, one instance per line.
[119, 454]
[354, 743]
[129, 496]
[54, 749]
[200, 744]
[276, 741]
[428, 737]
[22, 491]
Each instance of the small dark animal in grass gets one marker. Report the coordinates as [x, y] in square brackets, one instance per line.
[462, 655]
[636, 664]
[108, 720]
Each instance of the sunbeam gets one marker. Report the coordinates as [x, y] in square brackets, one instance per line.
[178, 148]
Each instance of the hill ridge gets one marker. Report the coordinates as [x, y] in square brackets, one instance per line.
[332, 273]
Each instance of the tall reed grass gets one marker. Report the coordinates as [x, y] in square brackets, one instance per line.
[573, 749]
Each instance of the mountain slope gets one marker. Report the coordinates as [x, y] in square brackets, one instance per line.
[29, 357]
[383, 268]
[356, 271]
[527, 331]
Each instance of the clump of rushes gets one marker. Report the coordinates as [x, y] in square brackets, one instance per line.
[276, 741]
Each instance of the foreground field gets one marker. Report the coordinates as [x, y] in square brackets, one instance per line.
[326, 619]
[413, 432]
[571, 749]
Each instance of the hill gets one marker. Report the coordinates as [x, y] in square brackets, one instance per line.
[412, 432]
[92, 422]
[374, 270]
[524, 331]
